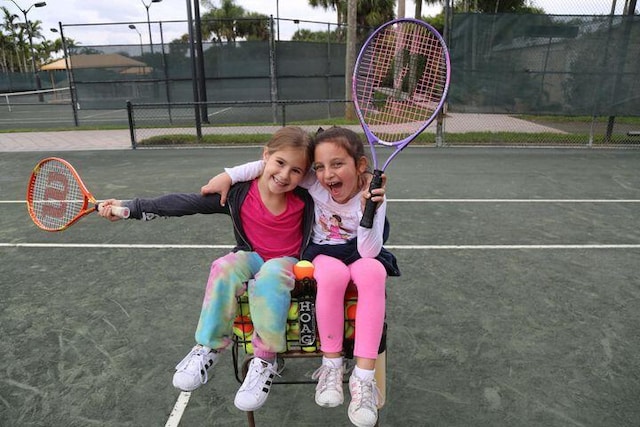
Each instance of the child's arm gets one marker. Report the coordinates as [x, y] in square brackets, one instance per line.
[221, 183]
[370, 240]
[169, 205]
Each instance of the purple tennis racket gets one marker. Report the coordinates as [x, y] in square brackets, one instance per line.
[400, 83]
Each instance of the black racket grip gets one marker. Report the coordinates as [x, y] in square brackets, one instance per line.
[370, 206]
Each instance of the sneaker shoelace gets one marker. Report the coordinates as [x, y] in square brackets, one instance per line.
[259, 370]
[365, 394]
[197, 355]
[328, 377]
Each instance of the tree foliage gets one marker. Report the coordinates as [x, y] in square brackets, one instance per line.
[15, 52]
[230, 22]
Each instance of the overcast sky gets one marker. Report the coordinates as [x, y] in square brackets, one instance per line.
[125, 12]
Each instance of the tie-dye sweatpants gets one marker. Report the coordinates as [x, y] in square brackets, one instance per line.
[269, 299]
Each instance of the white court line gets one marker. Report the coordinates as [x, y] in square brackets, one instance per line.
[178, 409]
[467, 201]
[402, 247]
[111, 246]
[106, 113]
[219, 112]
[515, 200]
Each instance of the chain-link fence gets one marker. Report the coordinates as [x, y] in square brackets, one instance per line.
[515, 79]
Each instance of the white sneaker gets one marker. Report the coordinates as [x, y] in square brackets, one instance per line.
[193, 370]
[329, 389]
[363, 410]
[256, 386]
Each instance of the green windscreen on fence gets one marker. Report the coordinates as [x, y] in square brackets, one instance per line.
[545, 64]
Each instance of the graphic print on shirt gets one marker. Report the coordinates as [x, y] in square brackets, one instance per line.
[336, 227]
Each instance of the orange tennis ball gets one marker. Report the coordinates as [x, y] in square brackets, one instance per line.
[350, 312]
[303, 269]
[243, 327]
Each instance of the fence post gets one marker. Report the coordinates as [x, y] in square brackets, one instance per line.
[273, 80]
[132, 132]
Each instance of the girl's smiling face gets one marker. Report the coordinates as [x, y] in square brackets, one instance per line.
[284, 169]
[338, 171]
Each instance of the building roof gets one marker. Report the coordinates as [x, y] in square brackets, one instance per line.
[110, 60]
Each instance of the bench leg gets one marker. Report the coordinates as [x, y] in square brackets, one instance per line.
[381, 377]
[245, 368]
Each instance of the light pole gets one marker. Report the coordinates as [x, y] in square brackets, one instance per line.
[67, 66]
[133, 27]
[28, 27]
[147, 6]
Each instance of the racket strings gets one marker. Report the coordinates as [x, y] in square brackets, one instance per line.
[56, 197]
[402, 78]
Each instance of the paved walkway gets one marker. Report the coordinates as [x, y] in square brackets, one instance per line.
[65, 140]
[121, 140]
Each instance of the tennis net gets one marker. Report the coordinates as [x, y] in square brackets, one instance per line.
[36, 97]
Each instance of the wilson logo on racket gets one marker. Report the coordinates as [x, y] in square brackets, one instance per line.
[57, 197]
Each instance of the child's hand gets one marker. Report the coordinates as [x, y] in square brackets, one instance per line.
[220, 184]
[378, 193]
[104, 209]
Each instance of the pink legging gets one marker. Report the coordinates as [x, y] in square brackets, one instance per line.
[333, 277]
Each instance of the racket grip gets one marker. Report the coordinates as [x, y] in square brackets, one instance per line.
[370, 205]
[119, 211]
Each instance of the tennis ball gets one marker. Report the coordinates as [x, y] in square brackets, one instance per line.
[351, 295]
[243, 309]
[292, 341]
[310, 349]
[248, 348]
[303, 269]
[243, 327]
[293, 330]
[294, 311]
[349, 331]
[350, 312]
[243, 305]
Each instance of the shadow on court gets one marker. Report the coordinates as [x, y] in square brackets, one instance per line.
[518, 304]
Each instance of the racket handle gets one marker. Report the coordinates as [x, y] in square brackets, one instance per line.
[370, 205]
[119, 211]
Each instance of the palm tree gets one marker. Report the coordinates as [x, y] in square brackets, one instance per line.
[341, 17]
[371, 13]
[11, 42]
[221, 22]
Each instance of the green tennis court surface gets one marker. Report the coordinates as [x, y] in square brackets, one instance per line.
[519, 302]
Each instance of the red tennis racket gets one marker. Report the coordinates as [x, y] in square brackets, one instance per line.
[57, 197]
[400, 83]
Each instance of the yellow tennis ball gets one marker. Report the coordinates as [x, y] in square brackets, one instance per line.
[294, 311]
[243, 309]
[303, 269]
[248, 348]
[293, 329]
[310, 349]
[292, 341]
[349, 331]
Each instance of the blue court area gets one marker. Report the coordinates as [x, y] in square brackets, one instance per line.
[519, 302]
